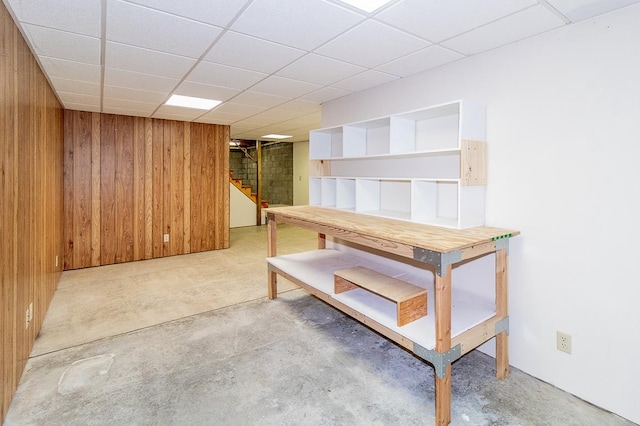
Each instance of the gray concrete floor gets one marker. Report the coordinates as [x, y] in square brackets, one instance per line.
[192, 340]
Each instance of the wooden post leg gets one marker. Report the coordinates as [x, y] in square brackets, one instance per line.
[322, 241]
[272, 284]
[502, 311]
[443, 344]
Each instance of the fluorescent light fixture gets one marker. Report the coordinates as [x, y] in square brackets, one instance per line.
[367, 5]
[191, 102]
[274, 136]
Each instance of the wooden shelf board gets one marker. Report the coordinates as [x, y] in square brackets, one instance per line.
[425, 153]
[316, 269]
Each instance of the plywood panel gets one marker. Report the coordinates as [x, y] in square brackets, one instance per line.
[197, 193]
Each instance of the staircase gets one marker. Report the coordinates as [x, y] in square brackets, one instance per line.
[246, 190]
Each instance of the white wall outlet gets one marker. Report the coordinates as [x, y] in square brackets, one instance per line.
[28, 315]
[166, 238]
[57, 261]
[563, 342]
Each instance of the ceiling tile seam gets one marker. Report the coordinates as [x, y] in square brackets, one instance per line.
[55, 29]
[175, 15]
[466, 55]
[555, 11]
[103, 44]
[204, 54]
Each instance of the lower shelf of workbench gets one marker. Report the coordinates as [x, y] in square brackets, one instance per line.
[316, 268]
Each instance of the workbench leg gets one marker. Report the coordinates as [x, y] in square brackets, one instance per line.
[502, 311]
[322, 241]
[272, 284]
[443, 344]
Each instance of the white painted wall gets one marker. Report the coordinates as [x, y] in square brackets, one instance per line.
[242, 210]
[563, 114]
[301, 173]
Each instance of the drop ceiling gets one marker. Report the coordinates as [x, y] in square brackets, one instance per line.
[272, 63]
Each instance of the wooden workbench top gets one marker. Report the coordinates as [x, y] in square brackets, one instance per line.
[434, 238]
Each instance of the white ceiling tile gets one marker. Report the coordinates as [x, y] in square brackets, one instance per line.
[422, 60]
[123, 104]
[256, 122]
[302, 24]
[81, 107]
[215, 12]
[242, 51]
[215, 120]
[260, 99]
[207, 91]
[75, 86]
[278, 115]
[145, 61]
[64, 45]
[125, 111]
[235, 108]
[115, 92]
[371, 44]
[284, 87]
[437, 20]
[577, 10]
[76, 98]
[76, 16]
[521, 25]
[134, 80]
[224, 76]
[365, 80]
[318, 69]
[171, 112]
[326, 94]
[140, 26]
[296, 105]
[55, 67]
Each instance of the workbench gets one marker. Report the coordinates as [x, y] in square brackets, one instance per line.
[445, 333]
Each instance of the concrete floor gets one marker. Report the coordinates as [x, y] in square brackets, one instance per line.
[192, 340]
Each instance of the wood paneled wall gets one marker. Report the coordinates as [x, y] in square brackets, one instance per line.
[31, 202]
[131, 180]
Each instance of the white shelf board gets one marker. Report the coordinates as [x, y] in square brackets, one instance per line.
[427, 153]
[316, 268]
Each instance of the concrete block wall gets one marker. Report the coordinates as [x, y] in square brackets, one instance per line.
[277, 171]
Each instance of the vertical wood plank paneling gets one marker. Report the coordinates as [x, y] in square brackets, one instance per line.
[196, 186]
[186, 179]
[177, 188]
[131, 180]
[31, 199]
[8, 209]
[69, 179]
[96, 216]
[82, 191]
[108, 236]
[157, 199]
[166, 187]
[124, 189]
[148, 188]
[26, 204]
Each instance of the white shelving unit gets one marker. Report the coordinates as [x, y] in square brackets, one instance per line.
[426, 166]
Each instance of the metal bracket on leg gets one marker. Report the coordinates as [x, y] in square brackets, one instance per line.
[440, 361]
[502, 325]
[438, 260]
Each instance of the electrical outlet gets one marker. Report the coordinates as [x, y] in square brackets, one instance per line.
[563, 342]
[57, 261]
[28, 316]
[166, 238]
